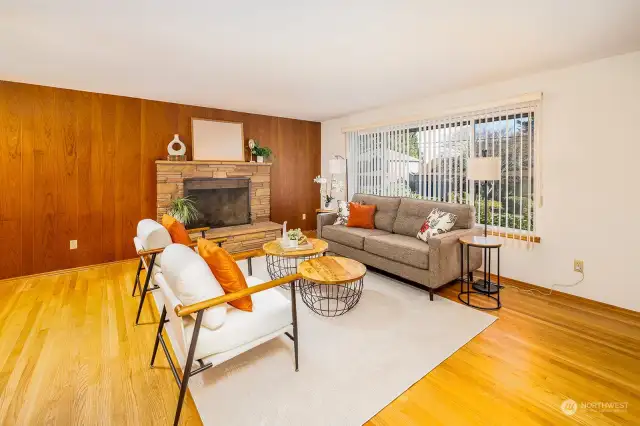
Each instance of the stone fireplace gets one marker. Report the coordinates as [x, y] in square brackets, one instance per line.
[234, 198]
[221, 201]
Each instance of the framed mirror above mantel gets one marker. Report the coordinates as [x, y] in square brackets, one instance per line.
[217, 140]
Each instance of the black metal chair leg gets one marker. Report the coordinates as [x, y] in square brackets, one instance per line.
[163, 316]
[249, 266]
[146, 286]
[136, 283]
[294, 316]
[187, 368]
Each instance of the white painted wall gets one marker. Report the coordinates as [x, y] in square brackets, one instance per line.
[590, 135]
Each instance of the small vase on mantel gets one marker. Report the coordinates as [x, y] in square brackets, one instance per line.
[259, 158]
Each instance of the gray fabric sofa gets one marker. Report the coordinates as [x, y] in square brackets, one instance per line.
[393, 247]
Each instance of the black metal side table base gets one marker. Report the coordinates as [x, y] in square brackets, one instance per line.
[497, 306]
[280, 266]
[481, 286]
[331, 300]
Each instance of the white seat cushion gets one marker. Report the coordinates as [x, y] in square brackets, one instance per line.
[271, 312]
[191, 281]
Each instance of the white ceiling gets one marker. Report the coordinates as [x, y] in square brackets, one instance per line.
[304, 59]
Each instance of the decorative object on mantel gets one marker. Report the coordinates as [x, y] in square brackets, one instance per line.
[261, 152]
[326, 188]
[252, 144]
[184, 209]
[217, 140]
[176, 154]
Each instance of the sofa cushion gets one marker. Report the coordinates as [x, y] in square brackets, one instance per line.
[412, 214]
[271, 312]
[361, 216]
[401, 248]
[386, 209]
[352, 237]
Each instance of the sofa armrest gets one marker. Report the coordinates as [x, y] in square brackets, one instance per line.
[323, 220]
[451, 237]
[444, 256]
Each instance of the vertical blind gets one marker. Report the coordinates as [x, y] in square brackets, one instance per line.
[427, 159]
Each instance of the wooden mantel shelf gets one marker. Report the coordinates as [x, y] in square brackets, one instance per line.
[234, 163]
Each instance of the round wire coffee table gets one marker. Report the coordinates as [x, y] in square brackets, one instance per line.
[331, 285]
[281, 263]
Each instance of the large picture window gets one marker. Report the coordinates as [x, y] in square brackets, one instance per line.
[427, 160]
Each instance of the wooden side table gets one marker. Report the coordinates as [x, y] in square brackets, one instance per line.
[487, 244]
[331, 285]
[281, 263]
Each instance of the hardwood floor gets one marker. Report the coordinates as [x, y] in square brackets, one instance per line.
[69, 354]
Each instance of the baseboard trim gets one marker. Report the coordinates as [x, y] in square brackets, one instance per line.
[560, 294]
[68, 270]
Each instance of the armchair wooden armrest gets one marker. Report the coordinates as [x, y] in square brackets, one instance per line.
[201, 230]
[182, 311]
[192, 244]
[246, 254]
[194, 230]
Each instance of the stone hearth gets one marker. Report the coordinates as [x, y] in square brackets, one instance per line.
[170, 177]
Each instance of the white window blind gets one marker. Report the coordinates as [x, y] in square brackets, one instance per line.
[427, 159]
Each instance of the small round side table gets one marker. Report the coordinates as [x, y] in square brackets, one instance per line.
[331, 285]
[281, 263]
[487, 244]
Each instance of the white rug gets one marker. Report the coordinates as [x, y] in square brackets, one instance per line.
[351, 366]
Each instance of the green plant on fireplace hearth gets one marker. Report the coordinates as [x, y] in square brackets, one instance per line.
[184, 209]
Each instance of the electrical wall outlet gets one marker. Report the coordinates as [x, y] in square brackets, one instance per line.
[578, 265]
[304, 216]
[73, 244]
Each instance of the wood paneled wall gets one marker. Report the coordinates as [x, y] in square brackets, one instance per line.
[79, 165]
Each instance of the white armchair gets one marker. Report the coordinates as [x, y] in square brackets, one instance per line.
[150, 241]
[273, 315]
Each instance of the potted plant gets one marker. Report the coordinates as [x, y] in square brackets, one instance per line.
[184, 209]
[259, 151]
[326, 188]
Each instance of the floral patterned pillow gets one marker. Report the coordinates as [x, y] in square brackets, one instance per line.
[438, 222]
[343, 213]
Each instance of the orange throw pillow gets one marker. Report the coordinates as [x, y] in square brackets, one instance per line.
[178, 232]
[361, 216]
[226, 271]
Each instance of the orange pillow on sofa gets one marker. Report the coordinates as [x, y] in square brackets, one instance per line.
[178, 232]
[226, 271]
[361, 216]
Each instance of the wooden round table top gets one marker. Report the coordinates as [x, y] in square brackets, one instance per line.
[274, 248]
[479, 241]
[332, 270]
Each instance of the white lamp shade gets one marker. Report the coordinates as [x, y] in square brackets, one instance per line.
[484, 168]
[336, 166]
